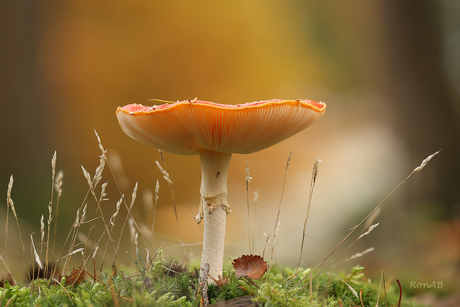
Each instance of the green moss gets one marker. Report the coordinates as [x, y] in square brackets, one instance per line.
[159, 285]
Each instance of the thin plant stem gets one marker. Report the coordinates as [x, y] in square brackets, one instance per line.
[281, 199]
[417, 169]
[124, 202]
[341, 253]
[9, 272]
[312, 186]
[112, 224]
[50, 208]
[128, 216]
[13, 210]
[59, 190]
[69, 235]
[118, 187]
[6, 223]
[157, 196]
[172, 190]
[378, 293]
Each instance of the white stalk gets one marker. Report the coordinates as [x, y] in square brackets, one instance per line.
[214, 168]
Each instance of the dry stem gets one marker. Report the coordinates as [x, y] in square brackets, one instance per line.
[417, 169]
[312, 186]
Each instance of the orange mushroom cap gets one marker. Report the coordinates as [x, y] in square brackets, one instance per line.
[187, 127]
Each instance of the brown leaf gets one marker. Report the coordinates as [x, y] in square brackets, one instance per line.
[76, 277]
[252, 266]
[9, 278]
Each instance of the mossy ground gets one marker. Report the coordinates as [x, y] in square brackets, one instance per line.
[160, 282]
[169, 283]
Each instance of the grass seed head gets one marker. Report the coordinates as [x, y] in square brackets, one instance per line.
[37, 258]
[53, 164]
[58, 185]
[157, 191]
[165, 173]
[117, 210]
[42, 229]
[12, 208]
[358, 255]
[100, 143]
[95, 252]
[87, 176]
[8, 193]
[83, 214]
[77, 219]
[133, 196]
[425, 162]
[103, 193]
[99, 170]
[372, 227]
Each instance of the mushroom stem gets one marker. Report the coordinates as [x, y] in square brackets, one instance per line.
[214, 168]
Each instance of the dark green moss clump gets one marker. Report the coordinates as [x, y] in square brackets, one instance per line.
[170, 283]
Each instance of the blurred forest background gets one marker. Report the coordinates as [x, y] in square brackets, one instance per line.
[389, 72]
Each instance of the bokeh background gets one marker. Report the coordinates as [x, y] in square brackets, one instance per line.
[389, 72]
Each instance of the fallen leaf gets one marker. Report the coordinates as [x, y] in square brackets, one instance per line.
[9, 278]
[76, 276]
[252, 266]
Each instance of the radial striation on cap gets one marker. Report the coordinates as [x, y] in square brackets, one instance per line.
[188, 127]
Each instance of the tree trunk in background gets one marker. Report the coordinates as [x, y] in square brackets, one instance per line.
[19, 81]
[418, 87]
[23, 132]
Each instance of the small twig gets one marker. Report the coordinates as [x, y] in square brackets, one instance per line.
[361, 297]
[400, 293]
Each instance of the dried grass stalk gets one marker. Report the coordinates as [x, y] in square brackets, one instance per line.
[288, 163]
[417, 169]
[310, 195]
[10, 204]
[37, 258]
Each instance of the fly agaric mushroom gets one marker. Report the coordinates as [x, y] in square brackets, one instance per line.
[214, 132]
